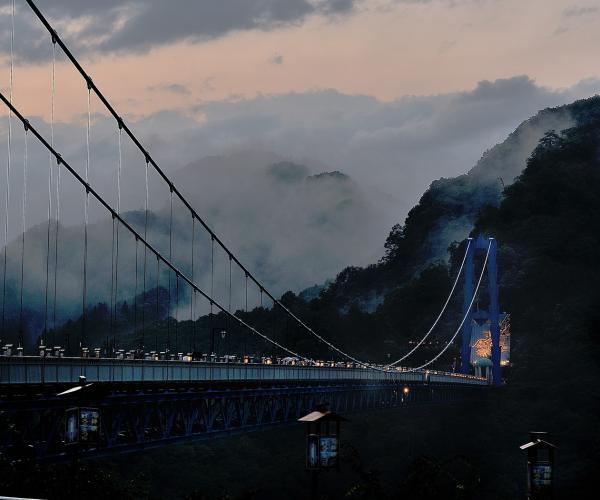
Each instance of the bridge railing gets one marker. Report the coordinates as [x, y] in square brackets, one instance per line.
[35, 370]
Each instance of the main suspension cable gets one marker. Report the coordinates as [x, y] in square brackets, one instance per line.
[464, 318]
[462, 264]
[173, 189]
[109, 107]
[131, 230]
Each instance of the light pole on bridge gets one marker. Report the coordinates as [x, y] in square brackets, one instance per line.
[222, 333]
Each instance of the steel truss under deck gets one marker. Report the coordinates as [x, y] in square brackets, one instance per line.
[136, 416]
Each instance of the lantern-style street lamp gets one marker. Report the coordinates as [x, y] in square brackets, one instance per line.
[82, 424]
[540, 466]
[322, 442]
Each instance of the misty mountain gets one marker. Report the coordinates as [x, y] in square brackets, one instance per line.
[377, 309]
[545, 222]
[447, 211]
[291, 224]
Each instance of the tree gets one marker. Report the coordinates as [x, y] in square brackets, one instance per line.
[393, 242]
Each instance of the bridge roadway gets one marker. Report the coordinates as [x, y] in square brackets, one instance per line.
[38, 370]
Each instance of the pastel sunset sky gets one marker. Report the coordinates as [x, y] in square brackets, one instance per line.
[156, 55]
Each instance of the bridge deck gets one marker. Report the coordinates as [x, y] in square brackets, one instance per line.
[35, 370]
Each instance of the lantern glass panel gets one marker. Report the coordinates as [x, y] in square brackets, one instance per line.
[328, 451]
[541, 477]
[312, 451]
[72, 426]
[89, 425]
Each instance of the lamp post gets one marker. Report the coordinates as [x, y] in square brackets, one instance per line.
[322, 443]
[82, 424]
[540, 467]
[222, 332]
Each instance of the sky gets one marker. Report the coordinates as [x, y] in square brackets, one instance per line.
[150, 56]
[394, 93]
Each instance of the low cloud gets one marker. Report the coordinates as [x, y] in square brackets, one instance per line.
[281, 218]
[288, 224]
[396, 147]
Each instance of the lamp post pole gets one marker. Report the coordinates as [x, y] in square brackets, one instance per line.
[314, 484]
[222, 332]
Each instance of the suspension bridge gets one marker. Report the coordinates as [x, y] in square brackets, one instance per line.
[164, 389]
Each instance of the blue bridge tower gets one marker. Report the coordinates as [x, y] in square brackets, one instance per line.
[481, 244]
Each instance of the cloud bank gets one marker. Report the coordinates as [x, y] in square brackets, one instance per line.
[391, 150]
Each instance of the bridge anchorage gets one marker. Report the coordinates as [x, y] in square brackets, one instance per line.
[162, 389]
